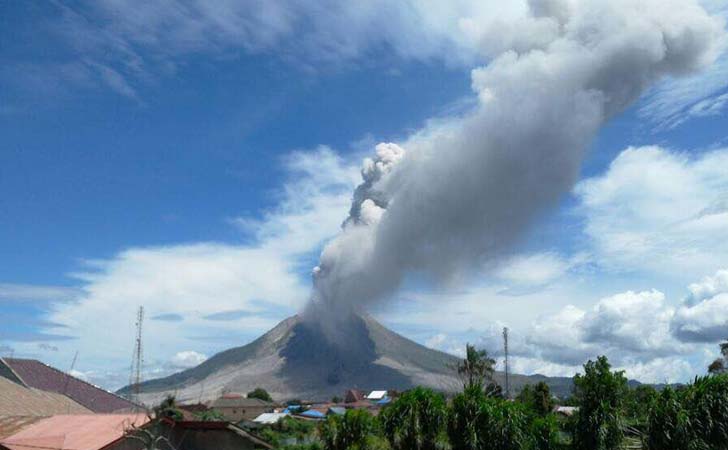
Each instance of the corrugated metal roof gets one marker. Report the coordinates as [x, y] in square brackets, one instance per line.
[74, 432]
[10, 425]
[239, 402]
[270, 418]
[338, 410]
[312, 413]
[16, 400]
[377, 395]
[37, 375]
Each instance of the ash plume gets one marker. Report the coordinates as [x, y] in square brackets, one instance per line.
[459, 193]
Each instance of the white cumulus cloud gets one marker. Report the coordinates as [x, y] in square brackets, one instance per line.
[186, 359]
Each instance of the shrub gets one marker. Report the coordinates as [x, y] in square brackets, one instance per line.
[350, 431]
[545, 432]
[694, 418]
[415, 421]
[537, 398]
[261, 394]
[600, 395]
[668, 425]
[477, 421]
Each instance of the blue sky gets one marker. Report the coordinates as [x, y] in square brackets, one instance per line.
[195, 160]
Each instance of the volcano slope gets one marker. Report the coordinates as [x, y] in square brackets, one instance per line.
[295, 360]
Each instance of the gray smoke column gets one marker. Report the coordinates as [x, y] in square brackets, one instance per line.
[459, 193]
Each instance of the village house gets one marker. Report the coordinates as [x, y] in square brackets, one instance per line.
[236, 407]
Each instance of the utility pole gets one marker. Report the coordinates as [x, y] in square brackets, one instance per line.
[505, 348]
[135, 376]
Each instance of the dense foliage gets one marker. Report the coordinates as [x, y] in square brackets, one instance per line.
[416, 421]
[692, 418]
[261, 394]
[638, 403]
[609, 416]
[291, 434]
[600, 394]
[538, 398]
[349, 431]
[479, 421]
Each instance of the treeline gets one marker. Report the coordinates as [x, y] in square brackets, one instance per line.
[610, 416]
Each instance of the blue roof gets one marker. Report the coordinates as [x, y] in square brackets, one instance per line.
[313, 413]
[384, 401]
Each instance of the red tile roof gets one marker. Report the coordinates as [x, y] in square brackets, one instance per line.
[73, 432]
[38, 375]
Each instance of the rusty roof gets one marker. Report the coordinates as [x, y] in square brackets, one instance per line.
[10, 425]
[73, 432]
[41, 376]
[17, 400]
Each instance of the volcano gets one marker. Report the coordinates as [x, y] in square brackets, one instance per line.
[295, 360]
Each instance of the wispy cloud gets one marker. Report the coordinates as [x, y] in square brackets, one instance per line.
[678, 100]
[235, 290]
[659, 211]
[124, 45]
[29, 292]
[168, 317]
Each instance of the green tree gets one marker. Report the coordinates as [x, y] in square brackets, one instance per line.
[479, 422]
[693, 418]
[168, 409]
[707, 403]
[543, 403]
[537, 398]
[416, 420]
[668, 424]
[639, 402]
[600, 394]
[261, 394]
[476, 368]
[353, 430]
[545, 432]
[463, 427]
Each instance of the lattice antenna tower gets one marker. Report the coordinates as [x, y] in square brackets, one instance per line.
[135, 377]
[505, 350]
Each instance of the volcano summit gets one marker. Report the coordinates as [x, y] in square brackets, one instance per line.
[296, 360]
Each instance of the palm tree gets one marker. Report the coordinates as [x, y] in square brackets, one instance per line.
[476, 368]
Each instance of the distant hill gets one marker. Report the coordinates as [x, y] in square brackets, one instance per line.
[295, 360]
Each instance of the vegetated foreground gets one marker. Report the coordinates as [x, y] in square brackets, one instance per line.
[606, 414]
[609, 415]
